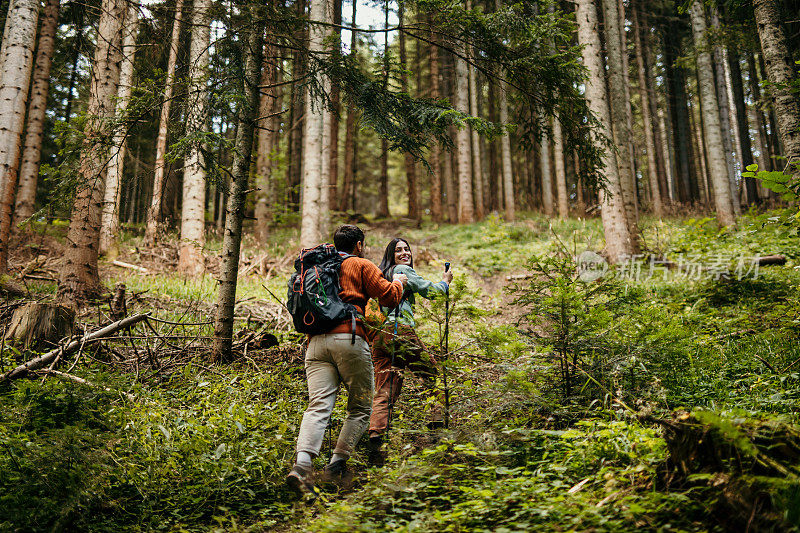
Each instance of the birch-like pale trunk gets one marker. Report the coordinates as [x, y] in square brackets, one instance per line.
[253, 42]
[617, 81]
[647, 116]
[190, 255]
[16, 55]
[154, 212]
[80, 278]
[109, 221]
[37, 105]
[463, 163]
[619, 242]
[717, 166]
[348, 173]
[325, 149]
[314, 166]
[782, 76]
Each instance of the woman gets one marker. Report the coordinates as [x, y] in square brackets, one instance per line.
[406, 350]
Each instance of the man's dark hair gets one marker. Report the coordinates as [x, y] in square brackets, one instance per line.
[346, 238]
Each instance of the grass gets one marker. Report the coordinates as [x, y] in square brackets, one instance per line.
[205, 447]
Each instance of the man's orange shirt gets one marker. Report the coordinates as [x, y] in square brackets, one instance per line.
[361, 280]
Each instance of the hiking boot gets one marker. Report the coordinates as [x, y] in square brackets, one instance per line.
[337, 473]
[376, 456]
[299, 480]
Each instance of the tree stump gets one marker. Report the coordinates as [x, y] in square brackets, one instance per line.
[40, 325]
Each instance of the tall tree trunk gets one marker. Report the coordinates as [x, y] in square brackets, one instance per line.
[718, 168]
[264, 143]
[781, 73]
[721, 85]
[643, 69]
[32, 147]
[154, 213]
[435, 155]
[383, 183]
[618, 79]
[314, 167]
[463, 163]
[474, 142]
[333, 123]
[560, 170]
[253, 42]
[16, 54]
[190, 257]
[619, 241]
[679, 114]
[505, 147]
[348, 178]
[696, 125]
[79, 276]
[109, 221]
[410, 163]
[546, 174]
[745, 148]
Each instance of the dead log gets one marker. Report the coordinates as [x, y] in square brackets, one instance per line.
[123, 264]
[40, 325]
[748, 461]
[44, 360]
[771, 260]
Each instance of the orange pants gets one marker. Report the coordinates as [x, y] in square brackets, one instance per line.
[409, 352]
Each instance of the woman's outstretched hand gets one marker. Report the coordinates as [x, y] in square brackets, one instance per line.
[447, 277]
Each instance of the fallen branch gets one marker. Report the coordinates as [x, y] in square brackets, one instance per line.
[81, 381]
[123, 264]
[771, 260]
[44, 360]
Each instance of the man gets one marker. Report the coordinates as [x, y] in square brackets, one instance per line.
[333, 358]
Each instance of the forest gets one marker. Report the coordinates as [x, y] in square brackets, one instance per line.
[586, 318]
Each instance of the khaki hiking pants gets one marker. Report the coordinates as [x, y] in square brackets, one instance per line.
[330, 360]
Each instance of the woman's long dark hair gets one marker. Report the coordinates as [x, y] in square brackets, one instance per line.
[387, 263]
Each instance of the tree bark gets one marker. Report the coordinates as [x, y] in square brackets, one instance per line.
[745, 147]
[718, 168]
[721, 85]
[190, 255]
[109, 221]
[314, 167]
[154, 213]
[463, 163]
[333, 160]
[410, 163]
[79, 276]
[619, 242]
[16, 54]
[253, 44]
[560, 170]
[32, 147]
[546, 174]
[348, 178]
[679, 114]
[265, 141]
[647, 115]
[435, 155]
[618, 80]
[780, 70]
[475, 149]
[505, 147]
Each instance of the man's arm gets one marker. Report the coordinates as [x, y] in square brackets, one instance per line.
[387, 293]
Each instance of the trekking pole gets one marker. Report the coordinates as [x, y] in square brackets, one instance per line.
[391, 369]
[446, 351]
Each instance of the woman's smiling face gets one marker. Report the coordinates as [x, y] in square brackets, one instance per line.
[402, 253]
